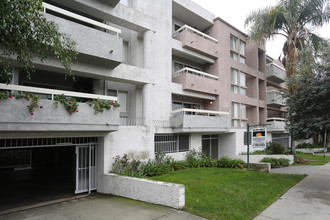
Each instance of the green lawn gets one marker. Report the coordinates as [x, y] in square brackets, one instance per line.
[315, 159]
[220, 193]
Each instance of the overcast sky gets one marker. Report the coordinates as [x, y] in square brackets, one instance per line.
[235, 12]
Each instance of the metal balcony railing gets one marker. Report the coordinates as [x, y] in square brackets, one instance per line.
[188, 28]
[53, 92]
[58, 10]
[195, 72]
[200, 112]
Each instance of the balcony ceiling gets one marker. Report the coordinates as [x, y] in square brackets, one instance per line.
[192, 14]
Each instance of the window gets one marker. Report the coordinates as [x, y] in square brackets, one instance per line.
[242, 59]
[123, 101]
[126, 52]
[171, 143]
[233, 55]
[243, 111]
[234, 110]
[179, 105]
[234, 89]
[233, 41]
[238, 117]
[238, 84]
[210, 146]
[242, 48]
[242, 82]
[234, 76]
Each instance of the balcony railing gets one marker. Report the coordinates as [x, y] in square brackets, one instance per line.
[53, 92]
[195, 72]
[200, 112]
[275, 98]
[276, 119]
[275, 73]
[188, 28]
[58, 10]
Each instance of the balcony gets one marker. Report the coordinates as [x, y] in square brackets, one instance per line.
[197, 120]
[275, 73]
[15, 116]
[276, 124]
[197, 41]
[198, 81]
[275, 99]
[97, 43]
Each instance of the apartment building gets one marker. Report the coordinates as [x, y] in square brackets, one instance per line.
[184, 79]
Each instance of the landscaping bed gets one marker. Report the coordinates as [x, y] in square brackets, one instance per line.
[310, 159]
[229, 193]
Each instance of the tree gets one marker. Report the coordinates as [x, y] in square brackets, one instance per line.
[293, 19]
[309, 105]
[25, 34]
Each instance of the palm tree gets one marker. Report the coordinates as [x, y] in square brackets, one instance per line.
[293, 19]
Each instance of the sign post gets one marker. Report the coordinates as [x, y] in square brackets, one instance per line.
[258, 139]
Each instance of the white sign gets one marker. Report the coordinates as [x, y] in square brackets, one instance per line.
[259, 137]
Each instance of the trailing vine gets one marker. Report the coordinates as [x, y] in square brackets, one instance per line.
[70, 104]
[34, 99]
[99, 106]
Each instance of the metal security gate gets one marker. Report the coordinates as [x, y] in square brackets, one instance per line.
[86, 168]
[283, 139]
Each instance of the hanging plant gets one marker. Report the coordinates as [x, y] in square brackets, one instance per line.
[99, 106]
[70, 104]
[34, 99]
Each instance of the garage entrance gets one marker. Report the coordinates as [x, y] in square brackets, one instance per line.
[38, 170]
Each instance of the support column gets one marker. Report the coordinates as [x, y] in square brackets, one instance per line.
[148, 41]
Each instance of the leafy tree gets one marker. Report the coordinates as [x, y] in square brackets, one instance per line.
[293, 19]
[25, 33]
[309, 105]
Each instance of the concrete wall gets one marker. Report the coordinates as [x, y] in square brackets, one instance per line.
[257, 158]
[160, 193]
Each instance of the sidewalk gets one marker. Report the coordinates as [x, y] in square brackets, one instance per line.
[100, 207]
[309, 199]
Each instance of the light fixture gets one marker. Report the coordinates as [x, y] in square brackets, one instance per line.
[211, 102]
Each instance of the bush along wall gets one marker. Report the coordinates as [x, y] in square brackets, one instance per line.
[163, 164]
[276, 162]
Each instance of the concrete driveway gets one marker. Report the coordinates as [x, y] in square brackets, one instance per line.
[309, 199]
[100, 207]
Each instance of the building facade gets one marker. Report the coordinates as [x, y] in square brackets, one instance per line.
[184, 79]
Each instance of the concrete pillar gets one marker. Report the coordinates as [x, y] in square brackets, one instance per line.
[148, 42]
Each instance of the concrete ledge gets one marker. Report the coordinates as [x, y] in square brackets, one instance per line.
[261, 167]
[258, 158]
[156, 192]
[311, 150]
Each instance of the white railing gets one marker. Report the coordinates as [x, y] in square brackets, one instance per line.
[195, 72]
[200, 112]
[276, 119]
[53, 92]
[186, 27]
[50, 7]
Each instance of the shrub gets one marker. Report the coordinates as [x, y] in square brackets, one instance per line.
[275, 148]
[152, 168]
[178, 165]
[276, 162]
[225, 162]
[307, 145]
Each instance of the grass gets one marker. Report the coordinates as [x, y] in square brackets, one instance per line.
[315, 159]
[220, 193]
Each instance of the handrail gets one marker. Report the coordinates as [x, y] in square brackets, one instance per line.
[79, 17]
[276, 119]
[199, 111]
[186, 27]
[274, 91]
[55, 92]
[187, 69]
